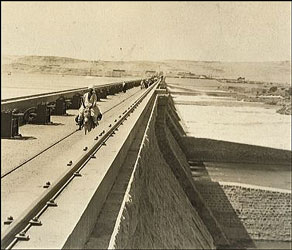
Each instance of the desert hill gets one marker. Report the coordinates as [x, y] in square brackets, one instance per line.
[257, 71]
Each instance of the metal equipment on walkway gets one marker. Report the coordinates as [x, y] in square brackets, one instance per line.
[10, 124]
[60, 107]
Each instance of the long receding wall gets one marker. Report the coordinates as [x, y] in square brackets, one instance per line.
[165, 207]
[202, 149]
[25, 102]
[210, 150]
[245, 213]
[157, 211]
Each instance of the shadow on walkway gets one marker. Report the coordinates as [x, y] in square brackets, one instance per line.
[21, 138]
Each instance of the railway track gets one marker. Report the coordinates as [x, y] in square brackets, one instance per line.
[57, 142]
[18, 228]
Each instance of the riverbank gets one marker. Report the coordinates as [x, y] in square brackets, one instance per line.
[207, 111]
[264, 92]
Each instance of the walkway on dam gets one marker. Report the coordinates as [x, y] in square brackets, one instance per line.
[35, 173]
[151, 186]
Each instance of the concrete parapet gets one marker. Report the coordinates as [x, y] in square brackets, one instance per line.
[85, 225]
[23, 103]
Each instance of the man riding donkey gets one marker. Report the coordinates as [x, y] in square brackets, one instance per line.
[89, 102]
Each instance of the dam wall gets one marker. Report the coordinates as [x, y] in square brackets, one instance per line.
[167, 207]
[208, 150]
[152, 190]
[157, 211]
[246, 213]
[266, 214]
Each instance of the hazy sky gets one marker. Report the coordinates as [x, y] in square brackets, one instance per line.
[220, 31]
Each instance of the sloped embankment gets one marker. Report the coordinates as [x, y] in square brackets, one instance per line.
[158, 210]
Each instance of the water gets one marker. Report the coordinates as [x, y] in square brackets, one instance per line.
[266, 244]
[20, 84]
[272, 176]
[225, 118]
[222, 117]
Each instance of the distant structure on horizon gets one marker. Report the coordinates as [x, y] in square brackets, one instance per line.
[118, 72]
[149, 73]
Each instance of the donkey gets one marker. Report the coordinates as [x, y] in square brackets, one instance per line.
[88, 123]
[85, 120]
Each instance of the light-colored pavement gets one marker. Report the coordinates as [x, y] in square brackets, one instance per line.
[84, 195]
[36, 138]
[23, 186]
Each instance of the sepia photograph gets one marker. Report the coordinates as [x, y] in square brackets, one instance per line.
[146, 125]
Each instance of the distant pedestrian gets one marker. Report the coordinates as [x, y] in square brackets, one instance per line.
[142, 84]
[124, 87]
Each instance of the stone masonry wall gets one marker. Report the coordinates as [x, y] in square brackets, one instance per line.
[157, 213]
[265, 214]
[217, 201]
[247, 214]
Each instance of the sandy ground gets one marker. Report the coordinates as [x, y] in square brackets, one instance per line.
[248, 125]
[259, 71]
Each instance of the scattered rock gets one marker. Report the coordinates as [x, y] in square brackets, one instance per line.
[285, 110]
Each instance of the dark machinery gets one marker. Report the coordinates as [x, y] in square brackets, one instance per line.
[76, 101]
[10, 124]
[103, 93]
[60, 107]
[38, 115]
[43, 114]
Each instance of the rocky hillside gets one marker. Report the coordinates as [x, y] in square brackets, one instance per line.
[254, 71]
[70, 66]
[257, 71]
